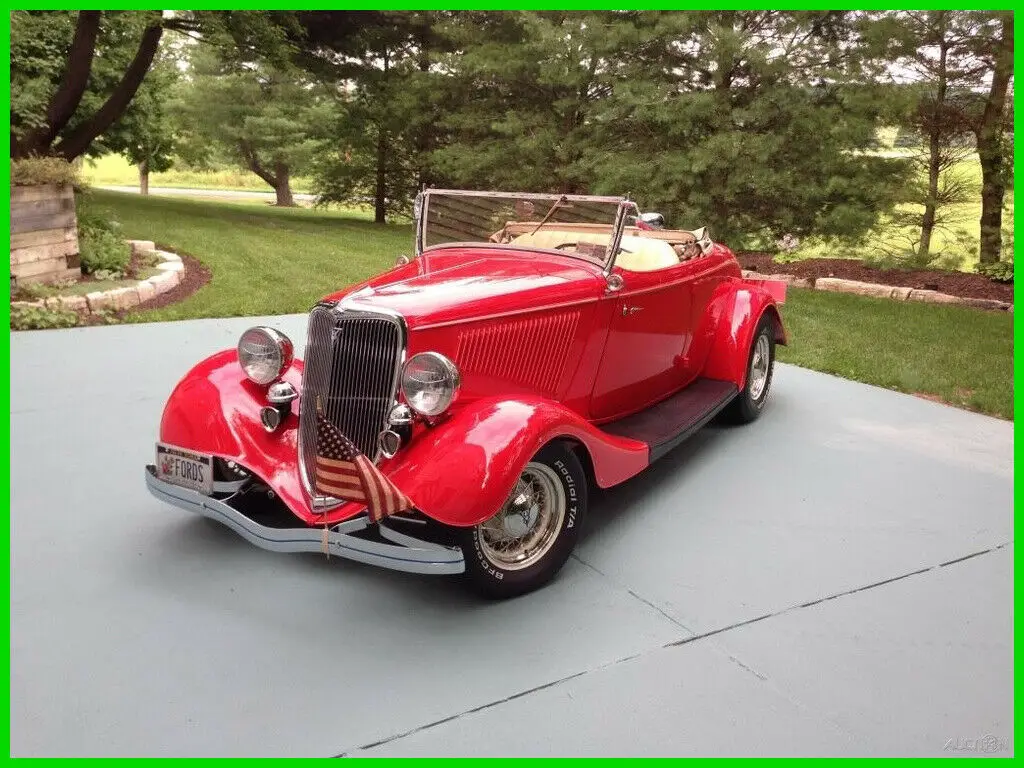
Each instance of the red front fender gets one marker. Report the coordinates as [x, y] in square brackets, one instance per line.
[460, 472]
[216, 409]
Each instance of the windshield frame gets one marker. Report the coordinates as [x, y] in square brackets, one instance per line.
[623, 206]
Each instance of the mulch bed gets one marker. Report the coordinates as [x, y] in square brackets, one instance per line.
[963, 284]
[196, 276]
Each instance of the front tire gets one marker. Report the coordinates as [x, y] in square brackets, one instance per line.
[749, 403]
[527, 542]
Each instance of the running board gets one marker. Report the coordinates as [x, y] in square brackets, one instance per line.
[665, 425]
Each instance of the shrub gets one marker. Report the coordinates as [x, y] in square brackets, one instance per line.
[34, 318]
[1000, 271]
[100, 244]
[42, 170]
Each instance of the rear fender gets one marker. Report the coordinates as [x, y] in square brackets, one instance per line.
[461, 471]
[733, 314]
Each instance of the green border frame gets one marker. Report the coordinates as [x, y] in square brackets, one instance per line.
[479, 5]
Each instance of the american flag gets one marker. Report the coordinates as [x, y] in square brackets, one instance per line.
[343, 472]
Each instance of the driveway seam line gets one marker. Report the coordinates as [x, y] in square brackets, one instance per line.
[626, 589]
[845, 593]
[490, 704]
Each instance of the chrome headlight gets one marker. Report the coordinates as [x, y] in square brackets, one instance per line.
[430, 382]
[264, 354]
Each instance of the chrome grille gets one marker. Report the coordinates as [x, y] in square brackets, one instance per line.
[352, 362]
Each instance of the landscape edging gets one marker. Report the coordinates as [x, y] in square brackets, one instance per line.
[171, 271]
[878, 290]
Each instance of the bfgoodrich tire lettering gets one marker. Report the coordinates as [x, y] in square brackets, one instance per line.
[527, 542]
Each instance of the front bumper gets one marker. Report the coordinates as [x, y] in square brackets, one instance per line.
[405, 553]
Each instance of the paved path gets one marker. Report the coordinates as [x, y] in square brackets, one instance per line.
[833, 579]
[220, 194]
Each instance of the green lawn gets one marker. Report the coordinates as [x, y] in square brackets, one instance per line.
[114, 170]
[964, 356]
[269, 261]
[264, 260]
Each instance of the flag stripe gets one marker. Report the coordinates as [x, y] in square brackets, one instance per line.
[370, 487]
[333, 463]
[342, 493]
[346, 479]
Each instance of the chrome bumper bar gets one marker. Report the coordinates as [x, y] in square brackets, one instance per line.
[404, 554]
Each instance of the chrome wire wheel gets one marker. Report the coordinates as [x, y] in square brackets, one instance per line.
[760, 363]
[528, 524]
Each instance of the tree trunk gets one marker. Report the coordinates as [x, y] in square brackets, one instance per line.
[66, 98]
[380, 189]
[990, 150]
[282, 186]
[931, 202]
[79, 140]
[380, 192]
[144, 177]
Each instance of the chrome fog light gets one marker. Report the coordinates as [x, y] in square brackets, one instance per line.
[264, 354]
[281, 393]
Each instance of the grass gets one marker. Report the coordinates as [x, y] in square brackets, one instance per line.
[115, 170]
[265, 260]
[963, 356]
[268, 261]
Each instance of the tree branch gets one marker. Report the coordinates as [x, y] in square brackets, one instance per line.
[78, 141]
[253, 161]
[65, 100]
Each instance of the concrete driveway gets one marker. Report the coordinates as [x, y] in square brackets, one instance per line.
[835, 579]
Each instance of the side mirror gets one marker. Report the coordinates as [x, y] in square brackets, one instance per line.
[653, 220]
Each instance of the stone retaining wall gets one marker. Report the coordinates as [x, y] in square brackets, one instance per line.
[171, 270]
[878, 290]
[44, 234]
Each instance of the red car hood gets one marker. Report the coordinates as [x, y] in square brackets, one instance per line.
[461, 284]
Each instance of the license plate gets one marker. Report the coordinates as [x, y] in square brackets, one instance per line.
[185, 468]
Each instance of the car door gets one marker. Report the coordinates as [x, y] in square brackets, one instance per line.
[649, 333]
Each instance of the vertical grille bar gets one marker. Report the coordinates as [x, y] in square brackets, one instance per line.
[352, 361]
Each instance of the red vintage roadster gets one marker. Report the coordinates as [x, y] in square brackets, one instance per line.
[453, 413]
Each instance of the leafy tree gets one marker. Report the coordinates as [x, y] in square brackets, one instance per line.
[145, 133]
[753, 122]
[936, 49]
[266, 118]
[960, 64]
[383, 124]
[73, 75]
[522, 97]
[994, 129]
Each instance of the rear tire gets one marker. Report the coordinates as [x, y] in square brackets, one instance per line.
[749, 403]
[527, 542]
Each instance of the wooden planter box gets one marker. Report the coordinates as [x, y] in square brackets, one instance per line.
[44, 234]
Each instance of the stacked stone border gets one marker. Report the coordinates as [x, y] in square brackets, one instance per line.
[171, 271]
[880, 291]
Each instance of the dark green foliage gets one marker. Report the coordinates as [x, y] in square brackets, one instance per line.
[267, 119]
[102, 247]
[384, 127]
[695, 114]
